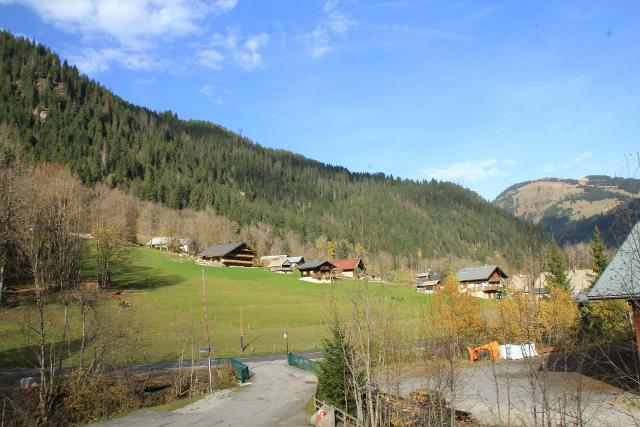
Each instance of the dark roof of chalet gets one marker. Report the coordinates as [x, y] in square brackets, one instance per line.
[621, 278]
[470, 274]
[221, 249]
[316, 263]
[429, 275]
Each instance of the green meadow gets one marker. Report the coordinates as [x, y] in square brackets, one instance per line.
[164, 317]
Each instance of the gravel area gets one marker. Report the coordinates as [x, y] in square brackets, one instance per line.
[518, 386]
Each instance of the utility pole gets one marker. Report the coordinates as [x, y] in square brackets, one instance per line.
[285, 335]
[206, 330]
[241, 332]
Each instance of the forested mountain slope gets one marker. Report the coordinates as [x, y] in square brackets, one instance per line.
[63, 116]
[569, 209]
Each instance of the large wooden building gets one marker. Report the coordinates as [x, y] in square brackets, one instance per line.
[482, 282]
[232, 254]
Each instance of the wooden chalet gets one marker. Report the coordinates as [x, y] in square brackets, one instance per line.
[428, 282]
[318, 269]
[160, 242]
[268, 259]
[295, 261]
[280, 266]
[486, 282]
[348, 267]
[232, 254]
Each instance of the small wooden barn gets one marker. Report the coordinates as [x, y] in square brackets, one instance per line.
[317, 269]
[232, 254]
[348, 267]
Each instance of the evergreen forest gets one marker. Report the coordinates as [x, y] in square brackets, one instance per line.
[62, 116]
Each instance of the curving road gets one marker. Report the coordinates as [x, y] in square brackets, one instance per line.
[276, 396]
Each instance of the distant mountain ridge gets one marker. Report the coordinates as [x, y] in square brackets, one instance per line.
[63, 116]
[569, 209]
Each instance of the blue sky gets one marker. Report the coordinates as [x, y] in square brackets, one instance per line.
[485, 94]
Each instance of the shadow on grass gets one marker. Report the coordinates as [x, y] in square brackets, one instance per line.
[143, 278]
[26, 357]
[247, 345]
[617, 365]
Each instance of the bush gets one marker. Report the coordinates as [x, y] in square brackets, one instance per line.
[607, 322]
[89, 397]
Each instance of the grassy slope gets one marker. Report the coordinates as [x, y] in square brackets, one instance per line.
[166, 304]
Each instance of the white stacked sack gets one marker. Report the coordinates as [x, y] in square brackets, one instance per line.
[517, 351]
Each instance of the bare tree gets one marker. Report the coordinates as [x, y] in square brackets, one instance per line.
[51, 243]
[10, 168]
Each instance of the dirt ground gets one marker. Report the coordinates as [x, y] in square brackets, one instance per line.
[495, 393]
[276, 397]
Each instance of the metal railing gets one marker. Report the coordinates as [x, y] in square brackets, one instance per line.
[301, 362]
[241, 369]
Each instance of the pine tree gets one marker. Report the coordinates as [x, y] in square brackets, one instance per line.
[598, 252]
[557, 266]
[333, 372]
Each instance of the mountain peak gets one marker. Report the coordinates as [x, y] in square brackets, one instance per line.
[570, 208]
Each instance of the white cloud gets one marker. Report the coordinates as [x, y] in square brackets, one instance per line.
[249, 57]
[472, 171]
[223, 6]
[90, 60]
[124, 31]
[339, 23]
[320, 51]
[333, 23]
[329, 5]
[209, 92]
[571, 162]
[146, 81]
[210, 58]
[582, 157]
[246, 53]
[230, 41]
[130, 22]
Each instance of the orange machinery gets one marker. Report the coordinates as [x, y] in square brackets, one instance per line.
[485, 351]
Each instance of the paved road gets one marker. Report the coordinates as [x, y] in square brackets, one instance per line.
[275, 397]
[13, 376]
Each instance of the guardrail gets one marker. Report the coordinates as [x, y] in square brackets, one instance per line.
[241, 369]
[301, 362]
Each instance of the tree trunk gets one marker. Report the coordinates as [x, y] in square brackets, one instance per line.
[206, 329]
[44, 389]
[1, 279]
